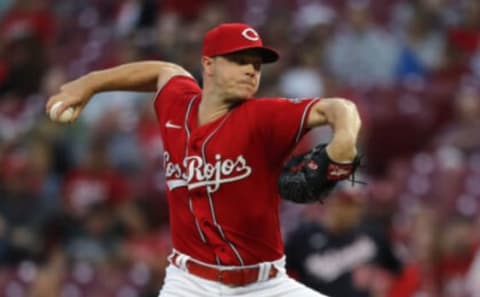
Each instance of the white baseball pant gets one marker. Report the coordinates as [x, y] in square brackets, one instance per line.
[180, 283]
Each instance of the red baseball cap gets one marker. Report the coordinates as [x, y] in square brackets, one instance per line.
[234, 37]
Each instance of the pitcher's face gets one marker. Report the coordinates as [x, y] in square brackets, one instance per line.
[236, 75]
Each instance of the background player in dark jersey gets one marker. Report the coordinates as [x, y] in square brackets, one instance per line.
[332, 252]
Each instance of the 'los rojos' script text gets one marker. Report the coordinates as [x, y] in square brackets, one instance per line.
[194, 172]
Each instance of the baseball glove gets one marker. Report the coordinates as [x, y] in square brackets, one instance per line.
[311, 176]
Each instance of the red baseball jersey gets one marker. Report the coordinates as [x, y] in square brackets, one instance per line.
[222, 176]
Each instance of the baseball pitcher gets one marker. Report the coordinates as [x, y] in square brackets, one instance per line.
[224, 161]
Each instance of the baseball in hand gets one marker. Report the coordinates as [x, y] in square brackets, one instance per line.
[65, 117]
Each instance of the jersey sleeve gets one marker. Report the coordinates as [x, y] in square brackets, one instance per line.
[178, 88]
[281, 124]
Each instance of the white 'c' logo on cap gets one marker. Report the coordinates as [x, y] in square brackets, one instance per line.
[250, 34]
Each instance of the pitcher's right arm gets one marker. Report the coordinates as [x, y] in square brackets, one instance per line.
[147, 76]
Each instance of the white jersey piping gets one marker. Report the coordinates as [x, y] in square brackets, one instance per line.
[210, 195]
[190, 203]
[304, 118]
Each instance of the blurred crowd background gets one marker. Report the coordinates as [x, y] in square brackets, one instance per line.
[82, 206]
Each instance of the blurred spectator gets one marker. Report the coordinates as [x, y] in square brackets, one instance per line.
[335, 254]
[423, 45]
[463, 38]
[307, 72]
[382, 203]
[43, 181]
[146, 241]
[457, 250]
[459, 134]
[27, 28]
[421, 274]
[24, 62]
[302, 81]
[136, 14]
[21, 210]
[436, 14]
[361, 53]
[28, 18]
[95, 240]
[93, 182]
[310, 16]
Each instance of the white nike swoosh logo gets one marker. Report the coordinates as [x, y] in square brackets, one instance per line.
[170, 125]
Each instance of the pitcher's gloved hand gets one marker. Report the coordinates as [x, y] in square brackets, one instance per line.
[311, 176]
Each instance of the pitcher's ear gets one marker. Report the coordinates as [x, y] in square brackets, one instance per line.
[207, 64]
